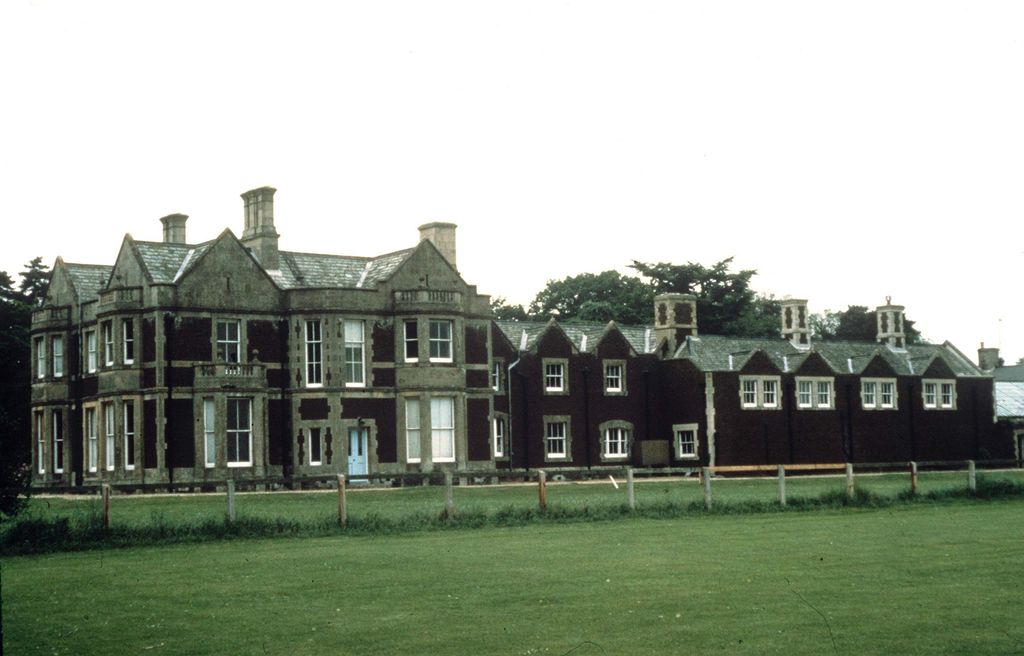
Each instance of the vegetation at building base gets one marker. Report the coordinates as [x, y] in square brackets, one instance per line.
[912, 579]
[726, 302]
[67, 525]
[15, 387]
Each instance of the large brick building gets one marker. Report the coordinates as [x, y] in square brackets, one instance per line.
[233, 359]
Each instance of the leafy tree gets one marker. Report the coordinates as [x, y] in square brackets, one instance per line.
[34, 281]
[502, 310]
[855, 323]
[726, 305]
[604, 296]
[15, 393]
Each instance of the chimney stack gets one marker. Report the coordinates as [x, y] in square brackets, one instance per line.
[259, 235]
[174, 228]
[795, 326]
[675, 318]
[442, 236]
[890, 325]
[988, 358]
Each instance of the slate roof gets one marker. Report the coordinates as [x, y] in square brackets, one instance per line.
[88, 279]
[1009, 399]
[166, 263]
[712, 352]
[1011, 374]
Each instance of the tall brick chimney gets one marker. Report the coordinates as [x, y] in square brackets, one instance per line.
[890, 325]
[675, 317]
[795, 326]
[259, 235]
[174, 228]
[442, 236]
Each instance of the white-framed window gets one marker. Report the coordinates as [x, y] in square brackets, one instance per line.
[615, 442]
[58, 356]
[412, 430]
[129, 435]
[442, 428]
[939, 394]
[614, 377]
[497, 372]
[37, 423]
[554, 376]
[57, 435]
[498, 430]
[759, 392]
[355, 353]
[40, 346]
[109, 434]
[91, 440]
[107, 329]
[91, 359]
[209, 433]
[128, 340]
[440, 340]
[814, 393]
[685, 441]
[239, 432]
[556, 438]
[229, 341]
[315, 447]
[878, 393]
[411, 340]
[314, 354]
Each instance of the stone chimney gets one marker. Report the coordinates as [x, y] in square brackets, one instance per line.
[795, 326]
[675, 318]
[988, 358]
[890, 325]
[259, 234]
[174, 228]
[442, 236]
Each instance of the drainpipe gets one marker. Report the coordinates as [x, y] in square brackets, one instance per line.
[586, 415]
[508, 390]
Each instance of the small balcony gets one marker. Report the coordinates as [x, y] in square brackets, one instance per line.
[428, 299]
[230, 375]
[122, 298]
[50, 318]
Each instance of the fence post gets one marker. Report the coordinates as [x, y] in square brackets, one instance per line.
[849, 481]
[972, 478]
[630, 492]
[542, 490]
[106, 505]
[342, 502]
[705, 473]
[231, 500]
[913, 478]
[449, 500]
[782, 485]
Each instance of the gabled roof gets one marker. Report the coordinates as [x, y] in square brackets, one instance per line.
[584, 336]
[166, 263]
[1009, 399]
[88, 279]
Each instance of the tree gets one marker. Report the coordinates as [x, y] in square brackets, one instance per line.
[604, 296]
[503, 311]
[34, 281]
[15, 391]
[726, 305]
[856, 323]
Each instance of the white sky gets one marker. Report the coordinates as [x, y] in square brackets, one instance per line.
[848, 151]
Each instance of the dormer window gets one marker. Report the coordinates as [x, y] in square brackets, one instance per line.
[759, 392]
[939, 394]
[814, 393]
[554, 376]
[878, 393]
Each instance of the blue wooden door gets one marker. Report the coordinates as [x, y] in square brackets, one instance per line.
[357, 451]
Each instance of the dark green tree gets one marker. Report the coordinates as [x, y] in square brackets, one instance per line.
[506, 312]
[604, 296]
[34, 281]
[726, 305]
[856, 324]
[15, 395]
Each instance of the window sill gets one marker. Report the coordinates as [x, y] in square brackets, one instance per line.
[239, 464]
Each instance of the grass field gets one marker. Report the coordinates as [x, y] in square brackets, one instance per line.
[940, 578]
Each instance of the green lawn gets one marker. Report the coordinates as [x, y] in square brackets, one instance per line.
[910, 579]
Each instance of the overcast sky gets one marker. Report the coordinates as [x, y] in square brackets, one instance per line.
[847, 151]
